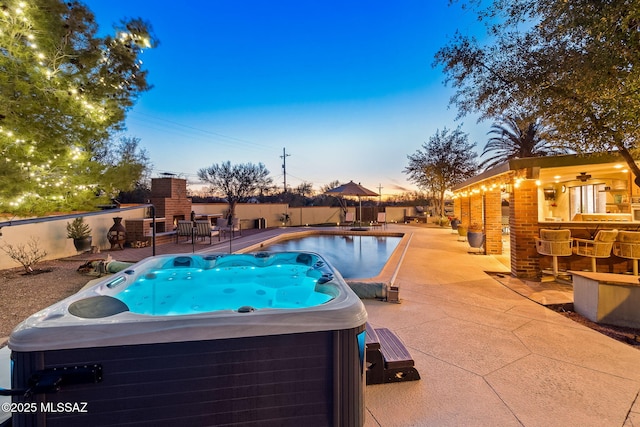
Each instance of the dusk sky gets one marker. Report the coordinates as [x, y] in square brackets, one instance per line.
[347, 87]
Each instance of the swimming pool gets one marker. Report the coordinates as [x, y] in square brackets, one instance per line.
[354, 255]
[153, 345]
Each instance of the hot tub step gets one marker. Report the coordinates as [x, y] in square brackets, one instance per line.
[388, 360]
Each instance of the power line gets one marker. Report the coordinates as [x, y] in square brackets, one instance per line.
[172, 125]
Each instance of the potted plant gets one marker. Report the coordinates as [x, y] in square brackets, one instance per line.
[475, 235]
[455, 222]
[80, 232]
[284, 218]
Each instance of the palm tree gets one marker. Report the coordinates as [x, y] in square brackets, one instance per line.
[517, 138]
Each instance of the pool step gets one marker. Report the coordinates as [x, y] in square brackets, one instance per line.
[388, 360]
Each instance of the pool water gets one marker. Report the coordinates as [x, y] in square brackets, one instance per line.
[176, 291]
[354, 256]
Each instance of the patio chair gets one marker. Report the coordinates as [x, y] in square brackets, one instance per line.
[554, 243]
[235, 226]
[204, 230]
[222, 226]
[381, 221]
[627, 246]
[599, 247]
[349, 220]
[185, 228]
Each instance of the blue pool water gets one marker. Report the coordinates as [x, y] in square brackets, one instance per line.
[353, 256]
[170, 290]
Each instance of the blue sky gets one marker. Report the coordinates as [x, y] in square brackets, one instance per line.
[347, 87]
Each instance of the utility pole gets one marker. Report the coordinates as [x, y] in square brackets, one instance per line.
[380, 187]
[284, 166]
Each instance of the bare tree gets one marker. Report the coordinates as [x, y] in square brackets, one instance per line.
[304, 189]
[236, 182]
[329, 186]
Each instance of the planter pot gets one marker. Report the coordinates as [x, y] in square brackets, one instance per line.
[82, 245]
[475, 239]
[454, 224]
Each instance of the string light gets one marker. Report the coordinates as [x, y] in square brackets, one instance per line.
[45, 173]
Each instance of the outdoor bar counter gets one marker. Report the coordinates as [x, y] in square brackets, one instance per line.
[588, 230]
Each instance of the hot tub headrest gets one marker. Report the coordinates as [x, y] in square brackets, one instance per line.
[305, 259]
[97, 307]
[182, 261]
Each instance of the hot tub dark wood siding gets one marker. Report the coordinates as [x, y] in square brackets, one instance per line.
[308, 379]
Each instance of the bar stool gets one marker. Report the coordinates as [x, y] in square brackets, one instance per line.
[599, 247]
[554, 243]
[627, 245]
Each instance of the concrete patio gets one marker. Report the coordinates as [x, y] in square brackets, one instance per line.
[487, 355]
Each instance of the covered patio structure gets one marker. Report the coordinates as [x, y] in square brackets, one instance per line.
[583, 193]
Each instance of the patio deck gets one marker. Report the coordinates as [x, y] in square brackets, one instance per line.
[487, 354]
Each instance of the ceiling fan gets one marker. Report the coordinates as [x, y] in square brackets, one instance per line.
[583, 177]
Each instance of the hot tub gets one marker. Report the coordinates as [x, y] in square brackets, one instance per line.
[261, 339]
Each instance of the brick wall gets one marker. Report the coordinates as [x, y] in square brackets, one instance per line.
[523, 220]
[476, 208]
[464, 211]
[170, 188]
[493, 221]
[169, 196]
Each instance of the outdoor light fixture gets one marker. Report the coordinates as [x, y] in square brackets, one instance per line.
[583, 177]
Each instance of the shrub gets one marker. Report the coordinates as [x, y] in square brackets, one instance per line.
[443, 221]
[475, 227]
[27, 255]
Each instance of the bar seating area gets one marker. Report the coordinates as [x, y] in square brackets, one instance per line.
[609, 251]
[628, 246]
[554, 243]
[592, 197]
[600, 247]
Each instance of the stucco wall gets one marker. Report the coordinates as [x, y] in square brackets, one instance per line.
[52, 232]
[274, 212]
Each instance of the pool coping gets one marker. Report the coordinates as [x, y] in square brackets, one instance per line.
[381, 286]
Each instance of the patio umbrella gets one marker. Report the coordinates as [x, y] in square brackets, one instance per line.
[353, 189]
